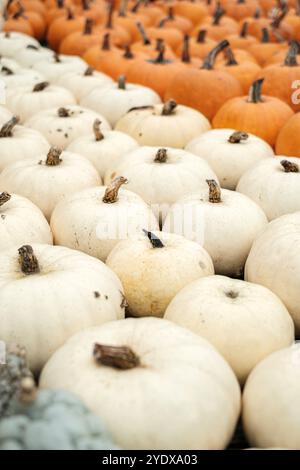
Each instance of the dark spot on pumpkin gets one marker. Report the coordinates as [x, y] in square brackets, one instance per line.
[3, 216]
[96, 294]
[140, 134]
[59, 130]
[40, 162]
[106, 297]
[66, 135]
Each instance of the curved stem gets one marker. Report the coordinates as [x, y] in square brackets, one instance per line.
[185, 55]
[154, 240]
[208, 63]
[255, 92]
[40, 86]
[27, 260]
[53, 156]
[7, 128]
[201, 36]
[244, 30]
[214, 191]
[289, 167]
[122, 82]
[218, 14]
[89, 71]
[118, 357]
[229, 55]
[291, 57]
[88, 26]
[277, 21]
[145, 38]
[161, 156]
[4, 197]
[238, 137]
[106, 42]
[169, 108]
[63, 112]
[111, 192]
[97, 131]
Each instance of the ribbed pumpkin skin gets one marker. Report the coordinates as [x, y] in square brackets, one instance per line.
[288, 140]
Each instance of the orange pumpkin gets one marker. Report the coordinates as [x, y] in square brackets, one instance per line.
[200, 45]
[265, 49]
[38, 24]
[96, 54]
[219, 26]
[63, 26]
[175, 21]
[18, 22]
[79, 42]
[205, 89]
[243, 40]
[257, 114]
[288, 140]
[152, 11]
[186, 57]
[149, 46]
[293, 19]
[129, 20]
[57, 11]
[279, 29]
[194, 11]
[245, 72]
[117, 65]
[29, 5]
[119, 36]
[93, 10]
[171, 36]
[240, 9]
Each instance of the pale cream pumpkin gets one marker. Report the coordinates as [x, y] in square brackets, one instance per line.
[117, 99]
[226, 223]
[48, 293]
[46, 179]
[21, 77]
[177, 391]
[271, 401]
[230, 153]
[8, 65]
[11, 42]
[81, 83]
[60, 126]
[104, 148]
[30, 54]
[19, 142]
[96, 219]
[274, 262]
[5, 115]
[274, 185]
[154, 267]
[58, 65]
[168, 125]
[27, 101]
[161, 176]
[21, 222]
[245, 322]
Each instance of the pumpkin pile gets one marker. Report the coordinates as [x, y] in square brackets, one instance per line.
[149, 224]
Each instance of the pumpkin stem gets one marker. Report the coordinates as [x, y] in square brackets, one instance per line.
[136, 6]
[20, 12]
[214, 191]
[297, 10]
[229, 55]
[169, 108]
[257, 13]
[185, 55]
[60, 4]
[56, 57]
[40, 86]
[128, 54]
[291, 57]
[171, 16]
[289, 167]
[106, 42]
[88, 26]
[28, 390]
[109, 22]
[161, 156]
[277, 21]
[89, 71]
[122, 82]
[201, 36]
[208, 63]
[27, 260]
[6, 70]
[238, 137]
[53, 156]
[122, 9]
[97, 131]
[7, 128]
[265, 38]
[145, 38]
[255, 92]
[33, 47]
[160, 59]
[118, 357]
[85, 4]
[111, 192]
[4, 197]
[70, 14]
[159, 44]
[63, 112]
[218, 14]
[240, 1]
[244, 30]
[155, 241]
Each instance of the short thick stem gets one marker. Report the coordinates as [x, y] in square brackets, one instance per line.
[169, 108]
[238, 137]
[244, 30]
[201, 36]
[185, 55]
[214, 191]
[6, 70]
[4, 198]
[208, 63]
[257, 13]
[70, 14]
[255, 91]
[112, 191]
[117, 357]
[89, 71]
[56, 58]
[27, 260]
[122, 9]
[63, 112]
[154, 240]
[88, 26]
[265, 37]
[109, 22]
[106, 42]
[161, 156]
[291, 57]
[218, 14]
[171, 16]
[97, 131]
[122, 82]
[128, 54]
[40, 86]
[7, 128]
[289, 167]
[53, 156]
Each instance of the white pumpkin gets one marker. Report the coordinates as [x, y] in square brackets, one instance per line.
[5, 115]
[81, 83]
[48, 293]
[58, 65]
[60, 126]
[274, 262]
[46, 179]
[161, 176]
[20, 77]
[117, 99]
[274, 184]
[168, 125]
[245, 322]
[271, 401]
[27, 101]
[225, 223]
[96, 219]
[230, 153]
[11, 42]
[30, 54]
[154, 267]
[19, 142]
[8, 65]
[177, 391]
[21, 222]
[104, 148]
